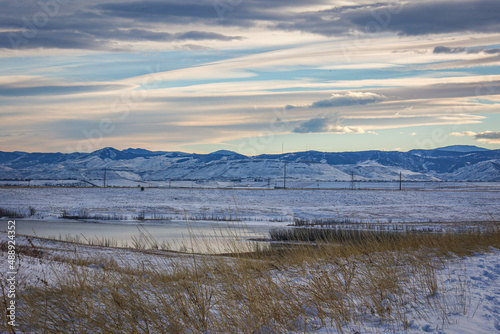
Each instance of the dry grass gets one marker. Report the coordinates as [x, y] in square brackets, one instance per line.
[390, 281]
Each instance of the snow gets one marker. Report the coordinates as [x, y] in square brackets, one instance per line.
[437, 205]
[483, 279]
[478, 273]
[34, 270]
[479, 171]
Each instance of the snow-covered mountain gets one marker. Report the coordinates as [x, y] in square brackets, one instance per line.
[453, 163]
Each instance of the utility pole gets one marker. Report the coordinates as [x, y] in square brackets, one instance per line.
[104, 177]
[352, 180]
[400, 181]
[284, 177]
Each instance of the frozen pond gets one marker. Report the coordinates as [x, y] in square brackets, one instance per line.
[204, 237]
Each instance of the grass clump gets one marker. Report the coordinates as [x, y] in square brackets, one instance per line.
[11, 213]
[84, 214]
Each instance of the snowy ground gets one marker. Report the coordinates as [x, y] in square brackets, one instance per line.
[479, 274]
[252, 183]
[483, 277]
[35, 270]
[260, 205]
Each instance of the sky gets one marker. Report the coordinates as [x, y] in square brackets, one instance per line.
[251, 76]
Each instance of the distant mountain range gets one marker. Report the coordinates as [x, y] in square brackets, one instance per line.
[452, 163]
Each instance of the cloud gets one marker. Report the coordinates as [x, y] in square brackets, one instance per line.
[492, 51]
[349, 99]
[444, 49]
[490, 137]
[223, 13]
[448, 50]
[421, 18]
[411, 18]
[345, 99]
[87, 25]
[51, 39]
[485, 51]
[192, 47]
[158, 11]
[328, 123]
[204, 35]
[461, 134]
[99, 39]
[147, 35]
[101, 25]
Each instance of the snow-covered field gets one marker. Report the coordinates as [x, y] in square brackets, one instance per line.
[462, 205]
[260, 183]
[467, 302]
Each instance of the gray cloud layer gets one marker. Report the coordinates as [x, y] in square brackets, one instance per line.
[415, 18]
[345, 99]
[492, 137]
[488, 135]
[448, 50]
[96, 24]
[444, 49]
[91, 27]
[328, 123]
[315, 125]
[348, 99]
